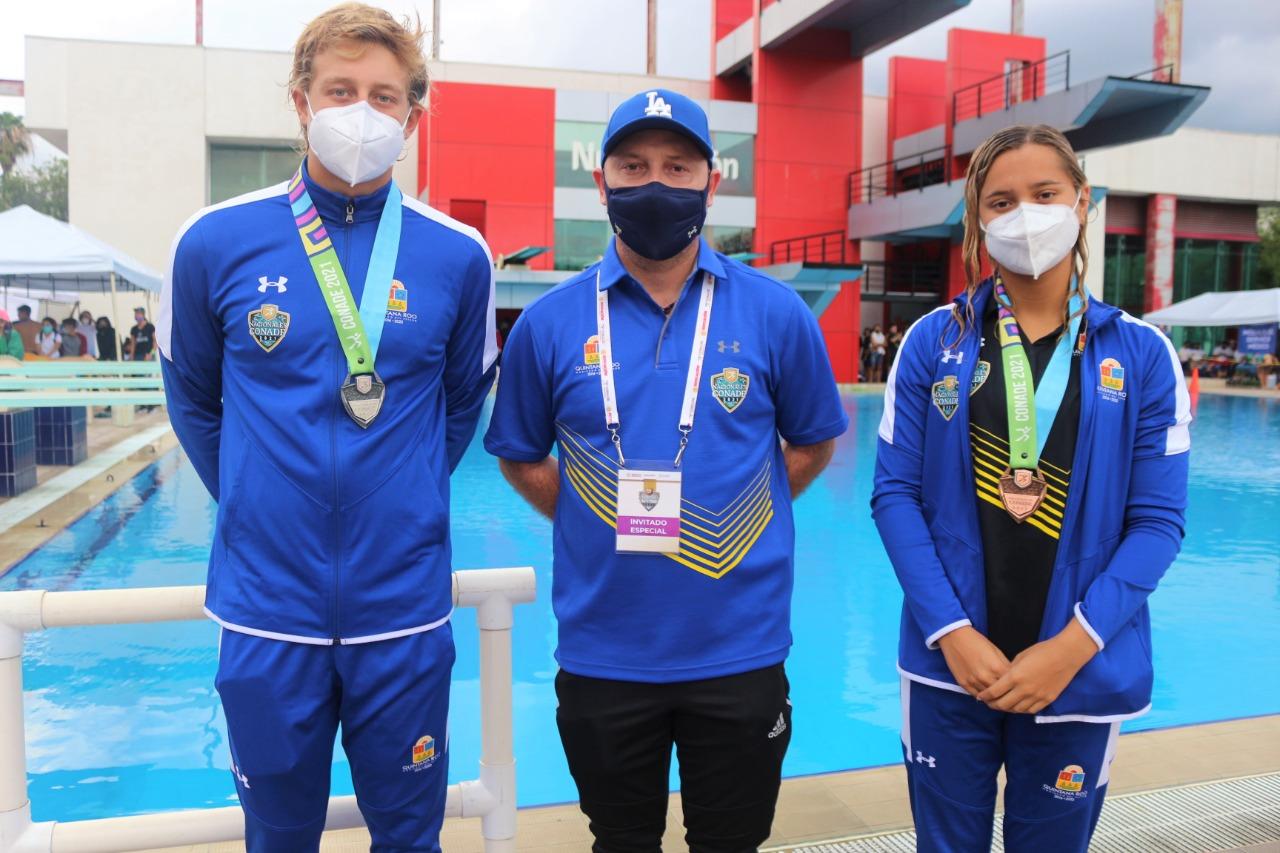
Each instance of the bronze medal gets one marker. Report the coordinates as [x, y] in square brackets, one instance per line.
[1021, 491]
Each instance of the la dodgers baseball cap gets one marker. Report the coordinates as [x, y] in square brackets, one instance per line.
[658, 108]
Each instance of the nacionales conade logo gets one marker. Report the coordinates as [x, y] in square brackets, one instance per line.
[268, 325]
[730, 387]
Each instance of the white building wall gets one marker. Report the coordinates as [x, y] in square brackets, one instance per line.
[1192, 162]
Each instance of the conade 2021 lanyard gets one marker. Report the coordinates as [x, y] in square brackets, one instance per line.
[1031, 410]
[648, 504]
[363, 391]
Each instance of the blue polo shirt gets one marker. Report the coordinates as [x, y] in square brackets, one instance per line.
[722, 605]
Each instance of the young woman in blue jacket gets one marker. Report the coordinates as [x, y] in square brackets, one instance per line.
[1031, 481]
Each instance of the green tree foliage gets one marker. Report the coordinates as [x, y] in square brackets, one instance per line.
[44, 189]
[1269, 254]
[14, 140]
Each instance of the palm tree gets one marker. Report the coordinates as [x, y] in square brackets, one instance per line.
[15, 140]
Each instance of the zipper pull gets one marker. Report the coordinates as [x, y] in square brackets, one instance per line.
[351, 212]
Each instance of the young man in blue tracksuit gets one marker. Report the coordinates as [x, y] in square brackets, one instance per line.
[666, 374]
[327, 344]
[1030, 488]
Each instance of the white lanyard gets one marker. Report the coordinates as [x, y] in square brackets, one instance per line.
[612, 420]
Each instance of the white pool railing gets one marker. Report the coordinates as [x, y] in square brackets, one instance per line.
[491, 797]
[80, 382]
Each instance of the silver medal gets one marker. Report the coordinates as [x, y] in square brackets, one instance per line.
[362, 397]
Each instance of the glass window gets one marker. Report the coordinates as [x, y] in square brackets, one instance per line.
[238, 169]
[1124, 272]
[579, 243]
[577, 153]
[730, 240]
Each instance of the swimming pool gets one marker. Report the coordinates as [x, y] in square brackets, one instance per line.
[124, 720]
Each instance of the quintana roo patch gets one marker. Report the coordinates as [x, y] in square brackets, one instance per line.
[268, 325]
[946, 396]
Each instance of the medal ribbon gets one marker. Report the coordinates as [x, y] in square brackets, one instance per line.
[360, 331]
[1028, 406]
[693, 378]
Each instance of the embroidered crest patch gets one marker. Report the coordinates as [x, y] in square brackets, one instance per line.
[980, 374]
[730, 387]
[268, 325]
[946, 396]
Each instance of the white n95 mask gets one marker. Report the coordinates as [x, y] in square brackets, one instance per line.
[1033, 238]
[356, 142]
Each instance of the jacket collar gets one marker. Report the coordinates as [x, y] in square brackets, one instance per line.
[1097, 315]
[612, 271]
[332, 206]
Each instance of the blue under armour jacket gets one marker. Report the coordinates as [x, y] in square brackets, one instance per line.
[1121, 530]
[325, 532]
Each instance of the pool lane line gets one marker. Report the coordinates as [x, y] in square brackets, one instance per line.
[109, 525]
[19, 509]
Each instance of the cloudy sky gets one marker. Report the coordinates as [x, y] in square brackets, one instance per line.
[1230, 45]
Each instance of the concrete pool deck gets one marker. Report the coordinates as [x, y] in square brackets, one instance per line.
[864, 802]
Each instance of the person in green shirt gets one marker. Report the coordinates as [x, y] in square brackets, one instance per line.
[10, 341]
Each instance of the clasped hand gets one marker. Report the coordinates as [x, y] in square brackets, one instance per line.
[1028, 683]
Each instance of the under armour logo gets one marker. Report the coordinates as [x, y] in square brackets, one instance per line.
[657, 106]
[735, 346]
[951, 355]
[278, 284]
[692, 231]
[921, 758]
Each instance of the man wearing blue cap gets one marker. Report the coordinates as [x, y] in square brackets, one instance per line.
[674, 539]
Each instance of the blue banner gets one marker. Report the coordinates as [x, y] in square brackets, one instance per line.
[1257, 340]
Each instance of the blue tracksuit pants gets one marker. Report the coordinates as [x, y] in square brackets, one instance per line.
[284, 702]
[1056, 774]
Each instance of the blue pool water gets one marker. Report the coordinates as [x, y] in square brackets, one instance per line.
[124, 720]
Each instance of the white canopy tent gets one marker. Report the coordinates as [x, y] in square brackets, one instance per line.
[44, 257]
[1233, 308]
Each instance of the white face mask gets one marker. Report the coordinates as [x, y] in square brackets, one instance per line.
[356, 142]
[1034, 237]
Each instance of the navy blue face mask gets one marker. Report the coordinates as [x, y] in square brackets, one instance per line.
[656, 221]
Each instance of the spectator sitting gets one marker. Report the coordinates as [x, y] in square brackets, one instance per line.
[11, 343]
[49, 342]
[29, 329]
[73, 343]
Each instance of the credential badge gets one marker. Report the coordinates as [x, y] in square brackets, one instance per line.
[268, 325]
[730, 387]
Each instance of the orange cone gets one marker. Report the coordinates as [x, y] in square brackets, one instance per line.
[1195, 385]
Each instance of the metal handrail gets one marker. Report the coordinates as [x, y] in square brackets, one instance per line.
[1155, 74]
[903, 278]
[1041, 74]
[826, 247]
[894, 175]
[492, 797]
